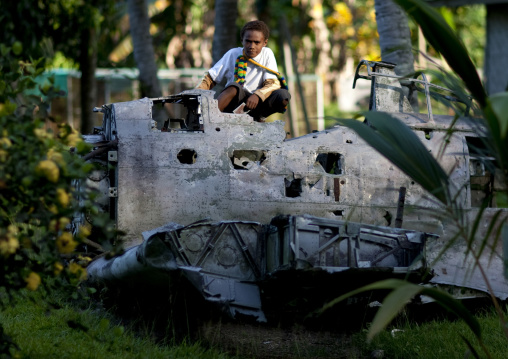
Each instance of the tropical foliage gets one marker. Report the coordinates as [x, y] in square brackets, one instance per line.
[397, 142]
[39, 155]
[39, 206]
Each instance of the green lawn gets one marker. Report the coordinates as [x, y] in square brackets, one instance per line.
[68, 332]
[437, 339]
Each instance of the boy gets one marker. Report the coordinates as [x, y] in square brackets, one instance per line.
[251, 75]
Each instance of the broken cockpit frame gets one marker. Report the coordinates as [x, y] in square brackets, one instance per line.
[381, 69]
[184, 109]
[187, 107]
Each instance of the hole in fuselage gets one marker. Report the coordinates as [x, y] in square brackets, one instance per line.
[245, 159]
[293, 188]
[331, 162]
[187, 156]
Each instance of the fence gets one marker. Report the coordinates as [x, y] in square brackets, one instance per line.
[119, 85]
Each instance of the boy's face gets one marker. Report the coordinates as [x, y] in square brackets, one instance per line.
[253, 42]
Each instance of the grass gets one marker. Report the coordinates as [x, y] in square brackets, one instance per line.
[436, 339]
[55, 328]
[68, 332]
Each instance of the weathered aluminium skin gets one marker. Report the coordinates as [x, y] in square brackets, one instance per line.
[238, 263]
[225, 167]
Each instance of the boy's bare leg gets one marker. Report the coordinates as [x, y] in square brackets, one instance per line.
[226, 96]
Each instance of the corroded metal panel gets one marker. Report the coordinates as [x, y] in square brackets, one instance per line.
[228, 261]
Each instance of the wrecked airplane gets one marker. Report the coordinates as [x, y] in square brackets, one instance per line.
[324, 201]
[238, 263]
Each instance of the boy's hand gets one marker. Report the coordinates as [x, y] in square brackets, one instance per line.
[252, 102]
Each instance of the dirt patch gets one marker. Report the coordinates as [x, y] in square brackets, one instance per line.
[260, 341]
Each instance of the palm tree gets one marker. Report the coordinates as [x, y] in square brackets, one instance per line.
[225, 35]
[143, 48]
[88, 65]
[395, 38]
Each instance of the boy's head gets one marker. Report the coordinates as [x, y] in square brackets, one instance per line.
[254, 37]
[256, 25]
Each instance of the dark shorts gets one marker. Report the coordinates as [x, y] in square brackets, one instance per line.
[274, 102]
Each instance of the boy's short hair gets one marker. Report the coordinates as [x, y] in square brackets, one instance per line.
[256, 25]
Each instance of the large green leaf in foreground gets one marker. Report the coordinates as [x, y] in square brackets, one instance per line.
[402, 292]
[401, 146]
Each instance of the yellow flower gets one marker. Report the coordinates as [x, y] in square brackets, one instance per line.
[71, 136]
[73, 139]
[55, 156]
[58, 268]
[84, 231]
[65, 243]
[5, 142]
[12, 229]
[3, 155]
[41, 133]
[53, 209]
[62, 197]
[33, 281]
[84, 260]
[63, 131]
[48, 169]
[59, 225]
[8, 245]
[78, 271]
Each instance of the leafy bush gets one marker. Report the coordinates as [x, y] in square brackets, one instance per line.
[39, 164]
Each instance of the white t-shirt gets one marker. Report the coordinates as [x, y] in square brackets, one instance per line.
[255, 76]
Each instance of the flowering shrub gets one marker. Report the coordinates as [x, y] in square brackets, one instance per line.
[38, 202]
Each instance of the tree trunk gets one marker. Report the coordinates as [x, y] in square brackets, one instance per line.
[394, 36]
[323, 46]
[225, 36]
[88, 91]
[395, 39]
[143, 48]
[496, 74]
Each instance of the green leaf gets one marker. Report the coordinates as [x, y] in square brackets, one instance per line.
[402, 292]
[472, 350]
[455, 306]
[385, 284]
[91, 290]
[17, 48]
[7, 108]
[118, 331]
[502, 200]
[448, 16]
[392, 305]
[104, 324]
